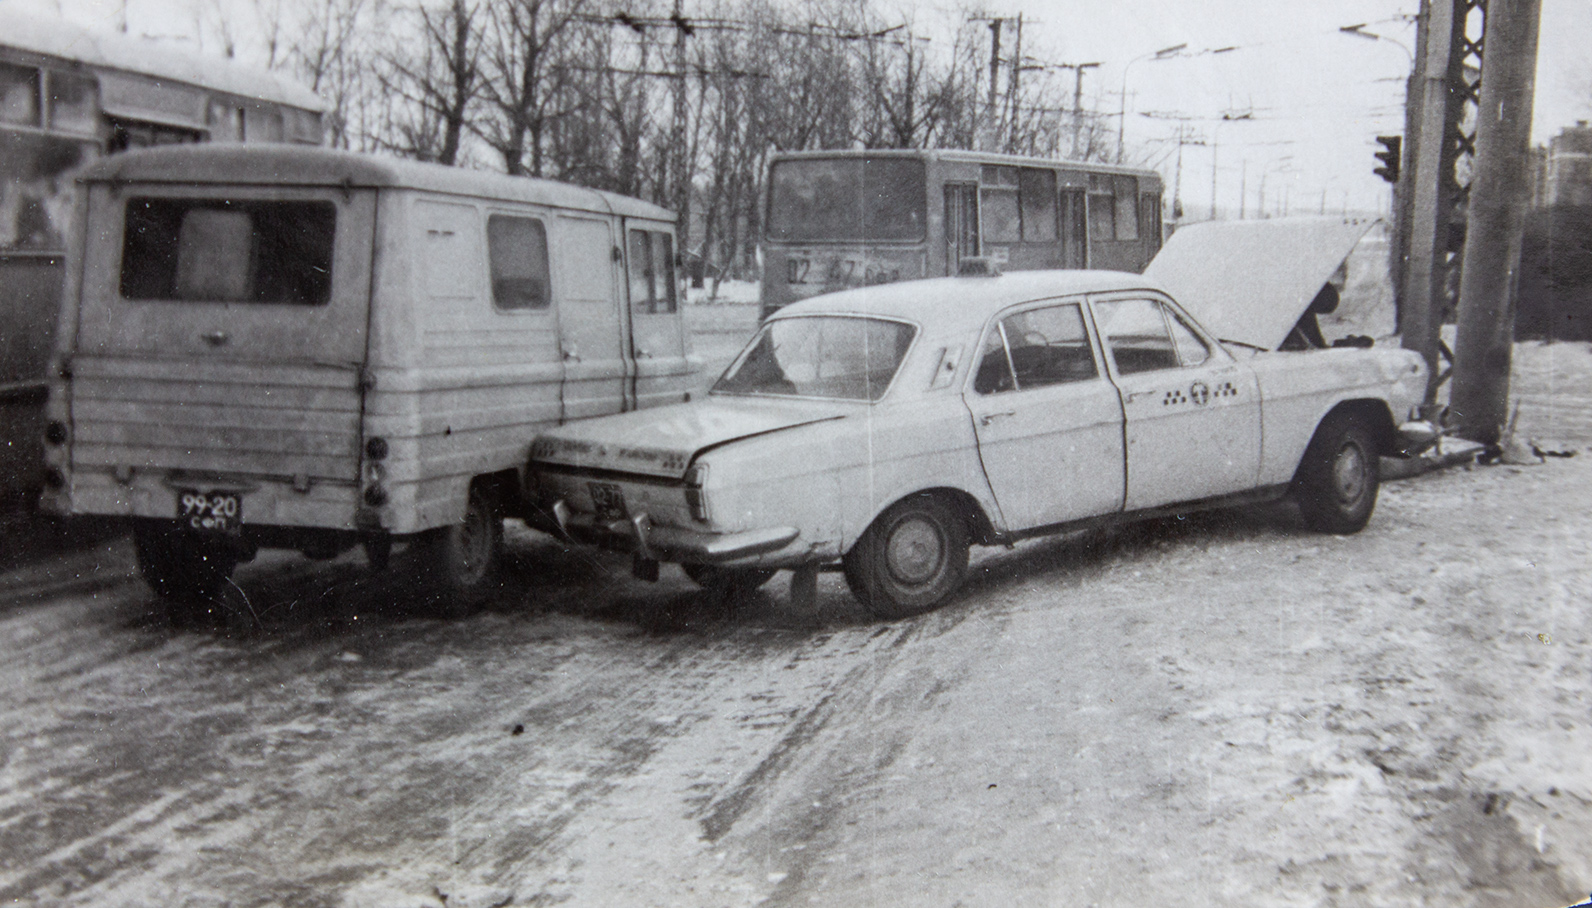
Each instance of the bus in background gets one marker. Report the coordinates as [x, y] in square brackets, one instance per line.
[839, 219]
[67, 97]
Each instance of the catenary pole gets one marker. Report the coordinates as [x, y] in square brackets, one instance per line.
[1418, 326]
[1479, 400]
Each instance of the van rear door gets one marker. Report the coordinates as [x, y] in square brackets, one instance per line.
[222, 331]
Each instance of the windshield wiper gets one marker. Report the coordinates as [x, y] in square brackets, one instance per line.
[1227, 340]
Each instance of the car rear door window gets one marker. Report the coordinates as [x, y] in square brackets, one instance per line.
[1035, 348]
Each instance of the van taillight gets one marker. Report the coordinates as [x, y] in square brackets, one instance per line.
[376, 448]
[54, 478]
[55, 432]
[695, 498]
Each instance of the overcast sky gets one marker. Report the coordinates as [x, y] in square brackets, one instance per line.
[1315, 98]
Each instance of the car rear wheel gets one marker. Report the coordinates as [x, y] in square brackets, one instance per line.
[727, 581]
[910, 559]
[459, 563]
[1337, 483]
[186, 570]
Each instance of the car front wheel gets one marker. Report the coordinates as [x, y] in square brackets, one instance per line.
[1338, 479]
[910, 559]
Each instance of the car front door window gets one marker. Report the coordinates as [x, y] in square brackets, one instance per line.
[1193, 415]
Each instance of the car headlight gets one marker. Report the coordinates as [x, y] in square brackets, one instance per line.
[695, 497]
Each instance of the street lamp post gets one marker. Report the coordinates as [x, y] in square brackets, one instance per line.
[1165, 53]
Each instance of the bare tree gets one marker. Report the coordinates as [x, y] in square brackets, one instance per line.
[432, 91]
[523, 81]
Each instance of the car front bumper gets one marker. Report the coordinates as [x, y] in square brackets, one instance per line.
[663, 543]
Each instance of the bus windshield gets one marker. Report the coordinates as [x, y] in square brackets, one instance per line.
[847, 199]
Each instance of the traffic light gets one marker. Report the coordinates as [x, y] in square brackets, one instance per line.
[1389, 156]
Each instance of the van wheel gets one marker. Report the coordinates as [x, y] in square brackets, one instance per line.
[1338, 478]
[910, 559]
[460, 562]
[184, 569]
[725, 581]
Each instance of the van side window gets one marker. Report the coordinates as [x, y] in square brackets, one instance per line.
[652, 283]
[517, 250]
[228, 251]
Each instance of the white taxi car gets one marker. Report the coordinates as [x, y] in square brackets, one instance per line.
[884, 430]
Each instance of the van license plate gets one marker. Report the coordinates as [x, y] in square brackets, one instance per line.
[608, 501]
[214, 512]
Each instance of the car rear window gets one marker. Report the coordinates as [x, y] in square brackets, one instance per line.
[228, 250]
[820, 356]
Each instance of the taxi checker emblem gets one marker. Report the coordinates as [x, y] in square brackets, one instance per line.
[1199, 393]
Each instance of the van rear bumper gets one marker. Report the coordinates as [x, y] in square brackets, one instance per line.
[317, 505]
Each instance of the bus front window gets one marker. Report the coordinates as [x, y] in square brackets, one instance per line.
[847, 200]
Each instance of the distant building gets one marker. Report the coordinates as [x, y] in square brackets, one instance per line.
[1566, 169]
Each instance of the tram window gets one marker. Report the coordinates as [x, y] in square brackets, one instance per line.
[19, 94]
[1037, 192]
[72, 105]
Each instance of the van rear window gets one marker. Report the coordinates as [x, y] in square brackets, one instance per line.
[228, 250]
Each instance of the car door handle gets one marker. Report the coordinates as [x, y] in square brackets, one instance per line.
[1135, 395]
[215, 338]
[572, 353]
[988, 418]
[643, 353]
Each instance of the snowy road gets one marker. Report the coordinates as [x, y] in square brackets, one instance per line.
[1222, 710]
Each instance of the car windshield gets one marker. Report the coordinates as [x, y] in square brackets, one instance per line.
[827, 356]
[847, 199]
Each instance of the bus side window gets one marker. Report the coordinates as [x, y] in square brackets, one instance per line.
[1002, 220]
[1102, 208]
[1127, 198]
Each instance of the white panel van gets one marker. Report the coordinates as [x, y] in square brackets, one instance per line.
[310, 349]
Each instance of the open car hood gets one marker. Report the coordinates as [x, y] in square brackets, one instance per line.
[1250, 281]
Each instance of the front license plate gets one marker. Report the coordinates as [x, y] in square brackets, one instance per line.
[608, 501]
[213, 512]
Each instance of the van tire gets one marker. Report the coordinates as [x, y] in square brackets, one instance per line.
[459, 563]
[184, 569]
